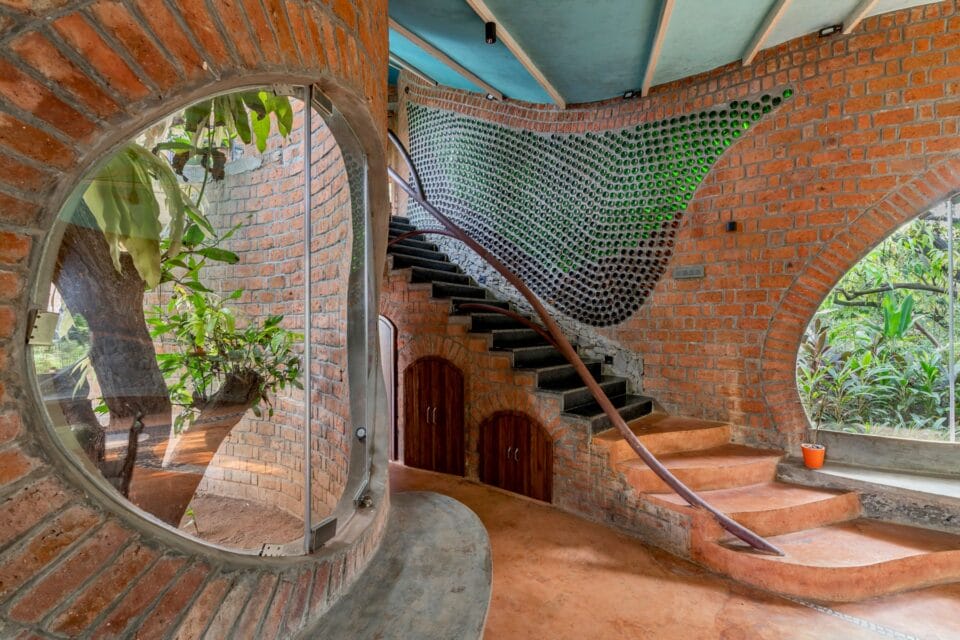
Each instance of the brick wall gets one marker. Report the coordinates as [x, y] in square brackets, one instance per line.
[262, 458]
[868, 142]
[79, 77]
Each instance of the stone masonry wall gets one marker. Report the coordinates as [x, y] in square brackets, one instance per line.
[868, 141]
[78, 77]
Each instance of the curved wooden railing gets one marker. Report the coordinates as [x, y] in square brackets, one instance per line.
[559, 340]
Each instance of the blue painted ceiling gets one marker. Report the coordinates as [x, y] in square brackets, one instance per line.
[596, 49]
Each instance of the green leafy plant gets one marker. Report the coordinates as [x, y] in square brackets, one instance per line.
[215, 362]
[873, 358]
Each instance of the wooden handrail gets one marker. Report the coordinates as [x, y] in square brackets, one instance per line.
[563, 345]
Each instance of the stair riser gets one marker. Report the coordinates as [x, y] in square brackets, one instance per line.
[567, 376]
[420, 275]
[581, 396]
[512, 339]
[602, 423]
[456, 310]
[805, 516]
[704, 478]
[403, 249]
[832, 584]
[399, 220]
[534, 358]
[673, 442]
[403, 262]
[490, 323]
[401, 227]
[450, 290]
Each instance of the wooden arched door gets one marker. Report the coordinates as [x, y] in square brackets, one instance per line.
[433, 434]
[516, 454]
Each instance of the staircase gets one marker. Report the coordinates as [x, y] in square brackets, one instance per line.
[529, 350]
[832, 554]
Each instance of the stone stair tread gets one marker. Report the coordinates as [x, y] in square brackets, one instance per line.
[427, 263]
[604, 380]
[855, 543]
[456, 301]
[724, 456]
[752, 498]
[400, 219]
[575, 385]
[593, 409]
[422, 274]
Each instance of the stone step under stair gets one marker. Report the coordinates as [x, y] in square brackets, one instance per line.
[832, 554]
[529, 350]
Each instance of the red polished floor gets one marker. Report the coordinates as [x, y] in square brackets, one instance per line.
[560, 577]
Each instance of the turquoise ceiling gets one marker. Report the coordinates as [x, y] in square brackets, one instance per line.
[592, 50]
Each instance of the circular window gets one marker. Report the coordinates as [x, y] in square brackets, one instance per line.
[179, 332]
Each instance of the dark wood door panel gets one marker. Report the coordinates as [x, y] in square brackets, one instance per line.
[516, 454]
[433, 416]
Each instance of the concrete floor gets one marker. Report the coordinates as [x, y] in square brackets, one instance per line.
[560, 577]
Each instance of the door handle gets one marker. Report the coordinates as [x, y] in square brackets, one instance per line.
[516, 454]
[434, 419]
[429, 419]
[508, 452]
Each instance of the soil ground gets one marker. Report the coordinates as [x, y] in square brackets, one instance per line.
[240, 524]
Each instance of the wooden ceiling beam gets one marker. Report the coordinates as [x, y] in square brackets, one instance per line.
[774, 16]
[444, 58]
[481, 9]
[666, 10]
[397, 61]
[858, 14]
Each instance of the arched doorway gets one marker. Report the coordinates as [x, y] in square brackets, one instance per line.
[433, 434]
[516, 454]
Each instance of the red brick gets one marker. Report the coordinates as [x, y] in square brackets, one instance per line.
[31, 96]
[40, 53]
[231, 14]
[77, 32]
[44, 547]
[34, 143]
[263, 33]
[173, 602]
[87, 560]
[14, 464]
[169, 32]
[278, 19]
[203, 610]
[22, 510]
[22, 176]
[139, 599]
[104, 590]
[205, 30]
[17, 212]
[14, 248]
[115, 17]
[253, 612]
[229, 611]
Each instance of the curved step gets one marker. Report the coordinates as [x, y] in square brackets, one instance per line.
[842, 562]
[773, 508]
[722, 467]
[663, 434]
[629, 407]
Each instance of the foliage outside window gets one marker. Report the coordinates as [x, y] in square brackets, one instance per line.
[874, 358]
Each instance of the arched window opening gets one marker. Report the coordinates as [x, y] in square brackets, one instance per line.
[179, 327]
[877, 357]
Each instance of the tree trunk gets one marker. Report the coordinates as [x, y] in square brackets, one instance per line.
[121, 350]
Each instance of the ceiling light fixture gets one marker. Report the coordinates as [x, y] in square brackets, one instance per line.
[629, 94]
[490, 96]
[829, 31]
[491, 32]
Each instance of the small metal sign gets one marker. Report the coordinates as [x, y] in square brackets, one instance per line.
[43, 327]
[690, 272]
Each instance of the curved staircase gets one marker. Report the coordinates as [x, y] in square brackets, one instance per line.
[832, 554]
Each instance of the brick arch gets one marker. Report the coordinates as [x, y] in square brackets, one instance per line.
[825, 268]
[79, 77]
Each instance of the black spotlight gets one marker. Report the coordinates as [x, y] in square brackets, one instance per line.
[491, 32]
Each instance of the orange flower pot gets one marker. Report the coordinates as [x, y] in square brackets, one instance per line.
[813, 455]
